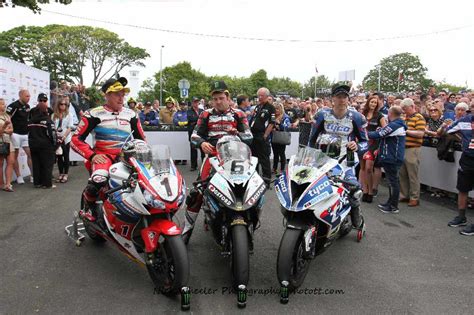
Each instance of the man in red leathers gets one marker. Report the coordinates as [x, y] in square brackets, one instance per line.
[111, 125]
[213, 124]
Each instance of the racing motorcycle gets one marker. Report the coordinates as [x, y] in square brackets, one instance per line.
[315, 202]
[233, 197]
[135, 212]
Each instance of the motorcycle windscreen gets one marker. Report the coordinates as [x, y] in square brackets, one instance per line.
[235, 159]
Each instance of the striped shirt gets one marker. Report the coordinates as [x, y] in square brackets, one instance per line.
[414, 122]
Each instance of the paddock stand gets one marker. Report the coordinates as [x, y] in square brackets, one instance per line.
[74, 230]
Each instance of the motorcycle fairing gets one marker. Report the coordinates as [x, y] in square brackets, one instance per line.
[127, 245]
[152, 233]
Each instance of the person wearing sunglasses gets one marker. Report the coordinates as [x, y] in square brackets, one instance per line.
[64, 123]
[434, 121]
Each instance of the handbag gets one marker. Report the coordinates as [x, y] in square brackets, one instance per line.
[4, 148]
[281, 137]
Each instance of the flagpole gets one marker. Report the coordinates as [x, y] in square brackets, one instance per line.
[380, 76]
[398, 86]
[315, 79]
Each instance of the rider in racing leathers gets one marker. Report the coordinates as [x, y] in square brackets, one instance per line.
[111, 124]
[350, 125]
[213, 124]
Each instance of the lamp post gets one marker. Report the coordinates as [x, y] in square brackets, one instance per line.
[380, 78]
[161, 75]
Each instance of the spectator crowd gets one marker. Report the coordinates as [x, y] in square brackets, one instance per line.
[397, 125]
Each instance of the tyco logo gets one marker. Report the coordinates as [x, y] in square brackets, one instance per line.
[318, 189]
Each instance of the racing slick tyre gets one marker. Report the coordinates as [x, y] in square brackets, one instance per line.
[240, 256]
[172, 273]
[291, 265]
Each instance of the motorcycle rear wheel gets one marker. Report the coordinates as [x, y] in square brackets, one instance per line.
[240, 256]
[87, 226]
[291, 266]
[176, 268]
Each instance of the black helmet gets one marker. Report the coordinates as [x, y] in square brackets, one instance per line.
[138, 149]
[330, 144]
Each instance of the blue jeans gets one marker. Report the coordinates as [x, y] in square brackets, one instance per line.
[392, 171]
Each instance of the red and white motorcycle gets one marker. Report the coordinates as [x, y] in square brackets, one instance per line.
[135, 212]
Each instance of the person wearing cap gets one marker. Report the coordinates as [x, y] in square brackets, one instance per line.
[193, 115]
[111, 125]
[350, 126]
[19, 112]
[148, 116]
[262, 126]
[214, 123]
[132, 104]
[166, 114]
[180, 118]
[42, 140]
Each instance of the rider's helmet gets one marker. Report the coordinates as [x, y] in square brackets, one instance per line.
[329, 144]
[138, 149]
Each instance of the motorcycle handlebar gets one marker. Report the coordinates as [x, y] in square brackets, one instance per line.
[111, 191]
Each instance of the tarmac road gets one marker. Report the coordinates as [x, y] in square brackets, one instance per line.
[409, 262]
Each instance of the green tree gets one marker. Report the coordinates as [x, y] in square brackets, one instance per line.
[199, 83]
[413, 74]
[150, 91]
[96, 98]
[285, 85]
[322, 83]
[259, 79]
[65, 51]
[451, 88]
[33, 4]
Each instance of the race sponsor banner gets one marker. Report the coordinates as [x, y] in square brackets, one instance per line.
[15, 76]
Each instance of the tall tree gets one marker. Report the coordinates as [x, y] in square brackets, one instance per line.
[65, 51]
[33, 4]
[285, 85]
[322, 83]
[259, 79]
[404, 69]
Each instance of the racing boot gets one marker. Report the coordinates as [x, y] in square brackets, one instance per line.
[189, 221]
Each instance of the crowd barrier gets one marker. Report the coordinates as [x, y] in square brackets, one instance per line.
[433, 172]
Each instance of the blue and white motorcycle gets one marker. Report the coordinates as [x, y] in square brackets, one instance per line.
[315, 201]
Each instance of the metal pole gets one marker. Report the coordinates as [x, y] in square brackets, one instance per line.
[161, 75]
[380, 76]
[315, 81]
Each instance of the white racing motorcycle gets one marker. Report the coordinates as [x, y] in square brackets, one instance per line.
[314, 198]
[233, 199]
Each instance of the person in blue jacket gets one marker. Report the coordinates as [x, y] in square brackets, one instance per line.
[391, 153]
[282, 123]
[180, 118]
[148, 116]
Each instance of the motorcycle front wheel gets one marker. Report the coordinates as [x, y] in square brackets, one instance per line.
[173, 274]
[240, 255]
[291, 265]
